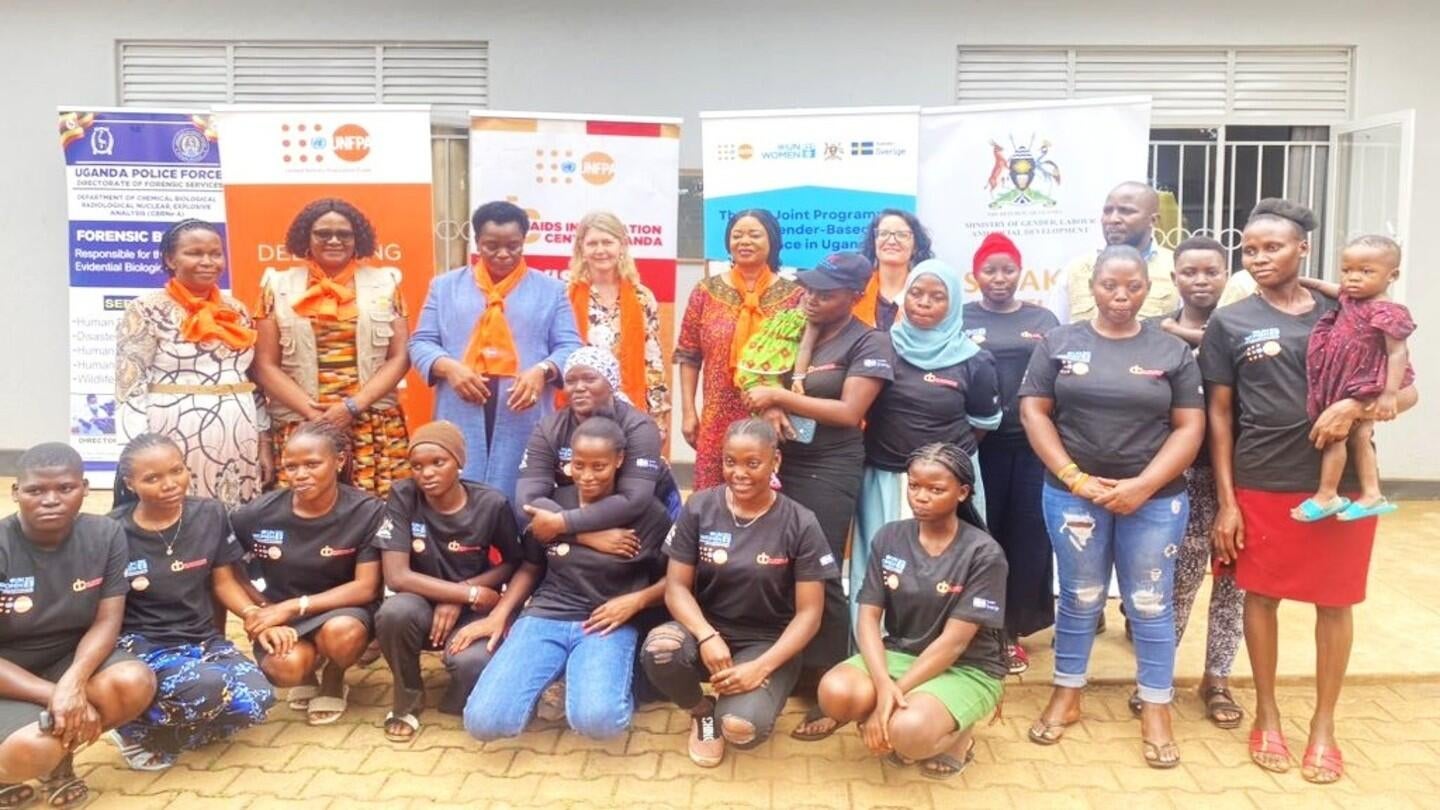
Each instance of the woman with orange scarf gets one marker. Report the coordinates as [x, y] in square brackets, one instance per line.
[723, 312]
[332, 341]
[182, 356]
[894, 242]
[615, 312]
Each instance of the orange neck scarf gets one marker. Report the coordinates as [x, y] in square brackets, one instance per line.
[749, 317]
[209, 319]
[327, 298]
[492, 349]
[631, 351]
[865, 308]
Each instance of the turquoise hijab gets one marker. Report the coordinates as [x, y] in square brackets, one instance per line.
[944, 345]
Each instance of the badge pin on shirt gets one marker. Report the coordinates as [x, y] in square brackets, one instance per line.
[140, 583]
[417, 545]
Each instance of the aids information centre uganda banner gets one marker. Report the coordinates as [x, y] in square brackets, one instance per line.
[129, 175]
[823, 173]
[376, 158]
[1037, 172]
[561, 167]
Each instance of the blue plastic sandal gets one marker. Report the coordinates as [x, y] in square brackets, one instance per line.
[1310, 510]
[1359, 511]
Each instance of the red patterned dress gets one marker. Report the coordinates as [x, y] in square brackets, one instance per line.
[706, 332]
[1346, 357]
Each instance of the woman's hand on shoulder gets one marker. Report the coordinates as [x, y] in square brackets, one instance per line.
[545, 525]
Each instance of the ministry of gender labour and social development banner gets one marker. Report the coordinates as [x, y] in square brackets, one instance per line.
[823, 173]
[278, 159]
[560, 167]
[129, 174]
[1037, 172]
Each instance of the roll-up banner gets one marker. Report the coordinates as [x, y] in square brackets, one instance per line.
[377, 158]
[1036, 171]
[560, 167]
[130, 174]
[823, 173]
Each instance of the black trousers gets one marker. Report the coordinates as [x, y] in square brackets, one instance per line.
[830, 488]
[402, 626]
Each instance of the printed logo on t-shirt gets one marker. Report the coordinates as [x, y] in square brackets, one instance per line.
[1261, 344]
[828, 559]
[557, 549]
[946, 588]
[83, 585]
[386, 530]
[1141, 371]
[1028, 335]
[331, 551]
[1076, 363]
[135, 568]
[716, 539]
[931, 378]
[714, 547]
[565, 454]
[765, 559]
[647, 463]
[272, 539]
[419, 529]
[892, 581]
[977, 336]
[874, 363]
[985, 604]
[894, 564]
[179, 566]
[456, 547]
[17, 585]
[15, 595]
[822, 367]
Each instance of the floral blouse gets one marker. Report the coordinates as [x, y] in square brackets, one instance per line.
[604, 333]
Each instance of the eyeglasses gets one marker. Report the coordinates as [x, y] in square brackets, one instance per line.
[898, 236]
[325, 235]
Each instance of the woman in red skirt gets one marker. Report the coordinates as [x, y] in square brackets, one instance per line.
[1253, 361]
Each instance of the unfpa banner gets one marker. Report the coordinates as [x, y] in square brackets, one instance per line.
[1037, 172]
[561, 167]
[129, 175]
[823, 173]
[279, 159]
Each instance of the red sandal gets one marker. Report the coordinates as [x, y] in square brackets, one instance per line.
[1322, 759]
[1269, 742]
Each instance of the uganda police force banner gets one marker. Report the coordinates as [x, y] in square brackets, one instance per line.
[281, 158]
[823, 173]
[1038, 172]
[129, 175]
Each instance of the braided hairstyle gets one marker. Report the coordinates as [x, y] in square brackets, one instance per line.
[338, 439]
[171, 239]
[603, 428]
[754, 428]
[1119, 253]
[297, 238]
[956, 462]
[125, 466]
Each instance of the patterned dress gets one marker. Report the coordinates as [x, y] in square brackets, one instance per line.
[705, 336]
[604, 333]
[218, 433]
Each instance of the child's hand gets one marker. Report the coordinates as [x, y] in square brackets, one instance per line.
[1385, 407]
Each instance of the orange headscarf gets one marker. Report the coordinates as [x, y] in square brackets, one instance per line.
[328, 298]
[866, 308]
[631, 353]
[749, 317]
[492, 349]
[209, 319]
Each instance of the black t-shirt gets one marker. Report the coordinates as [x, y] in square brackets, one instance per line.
[48, 598]
[919, 407]
[546, 463]
[885, 313]
[1202, 459]
[745, 575]
[303, 556]
[856, 351]
[1260, 352]
[454, 547]
[1011, 337]
[920, 593]
[1113, 396]
[169, 599]
[579, 579]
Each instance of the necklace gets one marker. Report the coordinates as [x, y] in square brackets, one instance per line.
[174, 536]
[730, 504]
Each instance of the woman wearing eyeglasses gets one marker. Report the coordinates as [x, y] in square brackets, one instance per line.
[332, 341]
[895, 242]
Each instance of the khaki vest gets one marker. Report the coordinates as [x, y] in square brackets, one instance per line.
[375, 291]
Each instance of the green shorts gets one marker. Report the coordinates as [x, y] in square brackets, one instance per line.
[968, 693]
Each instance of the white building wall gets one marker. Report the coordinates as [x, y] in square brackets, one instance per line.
[670, 58]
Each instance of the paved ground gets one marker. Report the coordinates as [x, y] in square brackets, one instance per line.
[1390, 730]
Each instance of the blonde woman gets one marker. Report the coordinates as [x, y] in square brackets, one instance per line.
[617, 313]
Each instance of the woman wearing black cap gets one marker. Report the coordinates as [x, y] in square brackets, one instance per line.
[850, 364]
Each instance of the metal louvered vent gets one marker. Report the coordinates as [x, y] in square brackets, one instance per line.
[1186, 84]
[451, 75]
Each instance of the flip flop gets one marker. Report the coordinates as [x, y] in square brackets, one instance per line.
[1158, 755]
[63, 789]
[1269, 742]
[1358, 511]
[952, 767]
[408, 719]
[16, 795]
[325, 704]
[1217, 700]
[814, 715]
[1322, 759]
[1310, 510]
[894, 760]
[300, 696]
[1045, 732]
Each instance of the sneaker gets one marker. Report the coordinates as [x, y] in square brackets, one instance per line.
[1017, 659]
[707, 747]
[552, 703]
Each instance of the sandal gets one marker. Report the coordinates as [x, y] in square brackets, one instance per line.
[15, 796]
[1161, 756]
[62, 788]
[1322, 765]
[394, 722]
[1359, 511]
[1017, 661]
[1218, 702]
[1048, 732]
[813, 716]
[894, 760]
[945, 766]
[1269, 743]
[138, 757]
[334, 707]
[1310, 509]
[300, 696]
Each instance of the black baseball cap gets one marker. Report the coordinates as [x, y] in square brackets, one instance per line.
[838, 271]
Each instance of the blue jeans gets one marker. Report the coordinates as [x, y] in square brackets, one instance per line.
[598, 671]
[1142, 548]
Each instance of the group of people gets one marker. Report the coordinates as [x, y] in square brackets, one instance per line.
[533, 534]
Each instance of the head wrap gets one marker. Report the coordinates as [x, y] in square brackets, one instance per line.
[443, 434]
[943, 345]
[603, 362]
[995, 244]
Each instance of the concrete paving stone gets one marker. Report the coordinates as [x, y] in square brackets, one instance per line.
[539, 741]
[632, 792]
[655, 720]
[869, 769]
[1223, 800]
[119, 780]
[193, 801]
[905, 795]
[402, 785]
[794, 795]
[263, 734]
[515, 789]
[673, 765]
[266, 802]
[643, 741]
[332, 784]
[401, 760]
[1142, 777]
[708, 792]
[597, 790]
[998, 773]
[601, 763]
[953, 794]
[180, 779]
[526, 762]
[245, 755]
[492, 763]
[570, 742]
[1066, 779]
[1151, 799]
[752, 768]
[284, 783]
[344, 760]
[436, 736]
[1248, 776]
[108, 800]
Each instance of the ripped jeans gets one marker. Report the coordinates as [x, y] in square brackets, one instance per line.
[1142, 548]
